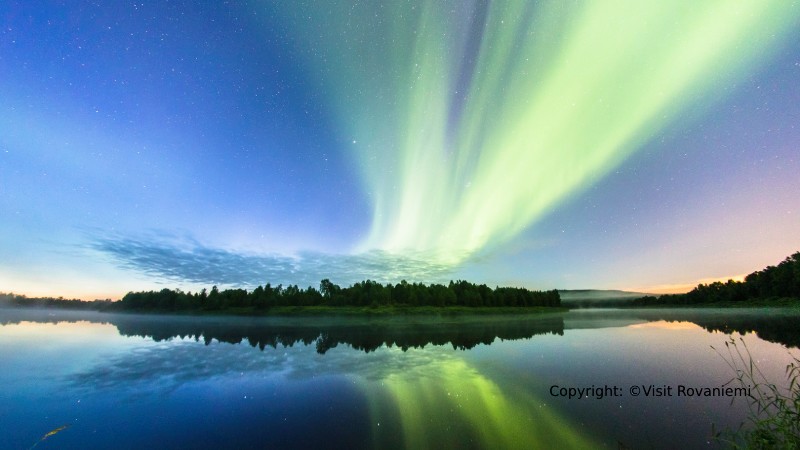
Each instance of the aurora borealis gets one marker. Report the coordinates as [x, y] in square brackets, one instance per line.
[606, 145]
[474, 113]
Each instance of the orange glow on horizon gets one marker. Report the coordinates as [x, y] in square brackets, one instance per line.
[682, 288]
[67, 293]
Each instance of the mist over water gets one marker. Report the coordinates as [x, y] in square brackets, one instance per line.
[126, 380]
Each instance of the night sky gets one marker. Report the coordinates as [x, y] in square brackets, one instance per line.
[611, 145]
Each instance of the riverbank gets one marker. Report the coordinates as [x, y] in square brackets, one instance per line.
[772, 302]
[394, 310]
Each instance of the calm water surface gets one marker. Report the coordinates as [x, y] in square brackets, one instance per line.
[129, 381]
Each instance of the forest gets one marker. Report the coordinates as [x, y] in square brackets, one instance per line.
[365, 293]
[263, 298]
[778, 285]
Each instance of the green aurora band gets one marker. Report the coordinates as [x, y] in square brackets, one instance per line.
[470, 121]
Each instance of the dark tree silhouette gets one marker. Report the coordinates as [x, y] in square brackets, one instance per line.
[771, 284]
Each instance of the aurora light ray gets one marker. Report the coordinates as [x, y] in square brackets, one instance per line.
[470, 121]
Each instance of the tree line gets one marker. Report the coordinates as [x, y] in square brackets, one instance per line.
[772, 283]
[365, 293]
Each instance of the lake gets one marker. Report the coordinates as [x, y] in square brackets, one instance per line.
[137, 381]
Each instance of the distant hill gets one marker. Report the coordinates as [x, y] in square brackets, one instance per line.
[586, 298]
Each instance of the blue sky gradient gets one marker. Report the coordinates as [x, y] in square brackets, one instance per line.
[180, 144]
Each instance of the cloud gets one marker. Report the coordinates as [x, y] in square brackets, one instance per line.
[184, 259]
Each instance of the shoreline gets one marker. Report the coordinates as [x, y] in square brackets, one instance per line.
[299, 311]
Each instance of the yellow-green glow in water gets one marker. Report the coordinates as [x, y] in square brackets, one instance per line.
[444, 402]
[470, 121]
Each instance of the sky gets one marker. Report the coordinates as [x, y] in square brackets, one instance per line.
[570, 145]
